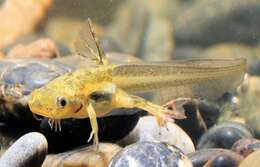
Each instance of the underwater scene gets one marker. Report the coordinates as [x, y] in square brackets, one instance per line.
[129, 83]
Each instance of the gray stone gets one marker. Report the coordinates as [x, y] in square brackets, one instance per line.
[144, 154]
[29, 150]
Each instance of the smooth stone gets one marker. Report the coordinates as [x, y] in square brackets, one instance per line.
[15, 20]
[40, 48]
[63, 49]
[200, 157]
[157, 42]
[223, 136]
[147, 129]
[86, 156]
[249, 103]
[245, 147]
[224, 160]
[152, 154]
[205, 22]
[151, 31]
[28, 150]
[9, 134]
[252, 160]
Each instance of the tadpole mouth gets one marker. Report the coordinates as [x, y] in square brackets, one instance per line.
[80, 107]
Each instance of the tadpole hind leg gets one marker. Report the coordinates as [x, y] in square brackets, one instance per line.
[162, 114]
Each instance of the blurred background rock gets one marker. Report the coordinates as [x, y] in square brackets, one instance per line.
[158, 30]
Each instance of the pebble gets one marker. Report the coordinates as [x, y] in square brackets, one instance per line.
[252, 160]
[86, 156]
[245, 147]
[223, 136]
[224, 160]
[143, 154]
[205, 22]
[150, 35]
[28, 150]
[201, 157]
[147, 129]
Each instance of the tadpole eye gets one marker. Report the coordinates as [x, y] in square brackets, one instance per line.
[61, 101]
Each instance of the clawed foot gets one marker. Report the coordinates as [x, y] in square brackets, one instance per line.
[167, 115]
[173, 103]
